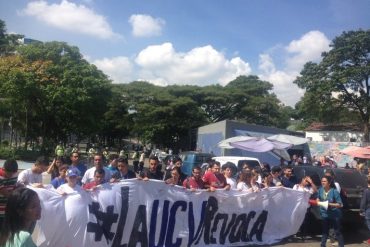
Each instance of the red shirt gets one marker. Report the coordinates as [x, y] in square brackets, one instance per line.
[215, 180]
[192, 183]
[90, 185]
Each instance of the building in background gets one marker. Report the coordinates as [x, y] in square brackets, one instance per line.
[210, 135]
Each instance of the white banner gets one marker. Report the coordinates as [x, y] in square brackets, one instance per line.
[152, 213]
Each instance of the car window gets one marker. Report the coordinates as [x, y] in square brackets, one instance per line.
[199, 159]
[349, 178]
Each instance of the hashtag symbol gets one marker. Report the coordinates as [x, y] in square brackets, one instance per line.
[104, 223]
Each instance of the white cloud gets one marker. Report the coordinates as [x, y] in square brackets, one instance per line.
[199, 66]
[162, 65]
[119, 69]
[146, 26]
[298, 52]
[71, 17]
[308, 48]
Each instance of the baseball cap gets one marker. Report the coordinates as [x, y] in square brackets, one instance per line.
[71, 173]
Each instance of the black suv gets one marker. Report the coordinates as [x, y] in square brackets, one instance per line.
[352, 184]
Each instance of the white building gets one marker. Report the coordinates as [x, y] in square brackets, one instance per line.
[319, 132]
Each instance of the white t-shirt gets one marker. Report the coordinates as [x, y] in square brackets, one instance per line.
[243, 186]
[232, 183]
[299, 188]
[337, 186]
[65, 188]
[27, 177]
[89, 175]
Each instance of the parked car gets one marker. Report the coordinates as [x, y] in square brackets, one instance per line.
[191, 159]
[352, 184]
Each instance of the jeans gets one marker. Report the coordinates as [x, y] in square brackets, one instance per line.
[326, 225]
[367, 218]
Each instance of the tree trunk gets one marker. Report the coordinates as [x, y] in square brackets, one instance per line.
[366, 130]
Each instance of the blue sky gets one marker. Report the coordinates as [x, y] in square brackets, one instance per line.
[198, 42]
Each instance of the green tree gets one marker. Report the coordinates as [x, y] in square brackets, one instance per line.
[161, 115]
[340, 81]
[8, 42]
[59, 93]
[117, 121]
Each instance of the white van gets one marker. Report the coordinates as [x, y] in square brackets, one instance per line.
[238, 161]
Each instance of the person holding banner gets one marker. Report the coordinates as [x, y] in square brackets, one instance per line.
[123, 171]
[98, 181]
[194, 182]
[213, 179]
[244, 182]
[71, 186]
[330, 210]
[267, 180]
[32, 176]
[153, 172]
[98, 164]
[22, 211]
[175, 177]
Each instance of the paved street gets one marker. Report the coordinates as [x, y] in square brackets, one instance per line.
[353, 239]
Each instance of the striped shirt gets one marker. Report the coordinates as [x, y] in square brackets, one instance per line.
[7, 184]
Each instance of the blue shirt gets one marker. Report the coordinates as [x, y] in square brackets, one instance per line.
[332, 196]
[56, 182]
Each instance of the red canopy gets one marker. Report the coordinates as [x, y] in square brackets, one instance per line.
[358, 152]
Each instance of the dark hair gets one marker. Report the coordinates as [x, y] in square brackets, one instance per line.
[215, 163]
[73, 153]
[330, 179]
[122, 160]
[175, 168]
[153, 157]
[176, 159]
[13, 222]
[329, 171]
[265, 174]
[196, 168]
[11, 165]
[42, 160]
[209, 160]
[244, 175]
[266, 167]
[275, 169]
[288, 167]
[64, 166]
[99, 171]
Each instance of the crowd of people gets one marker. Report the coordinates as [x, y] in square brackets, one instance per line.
[76, 177]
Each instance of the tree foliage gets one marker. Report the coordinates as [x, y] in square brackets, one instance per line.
[339, 85]
[54, 91]
[8, 42]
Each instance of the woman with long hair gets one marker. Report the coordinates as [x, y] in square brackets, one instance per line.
[244, 182]
[22, 211]
[332, 214]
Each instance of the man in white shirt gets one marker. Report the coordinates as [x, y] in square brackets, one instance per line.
[98, 164]
[33, 175]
